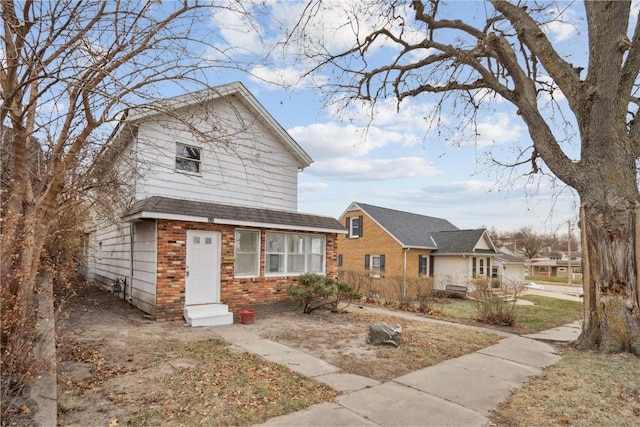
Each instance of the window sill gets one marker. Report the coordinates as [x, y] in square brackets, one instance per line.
[272, 275]
[188, 172]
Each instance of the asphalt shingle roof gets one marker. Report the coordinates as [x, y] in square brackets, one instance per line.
[410, 229]
[415, 230]
[510, 258]
[459, 241]
[166, 205]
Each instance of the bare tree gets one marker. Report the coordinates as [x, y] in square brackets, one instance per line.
[69, 70]
[437, 48]
[529, 242]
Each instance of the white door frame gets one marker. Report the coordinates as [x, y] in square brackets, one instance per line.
[202, 268]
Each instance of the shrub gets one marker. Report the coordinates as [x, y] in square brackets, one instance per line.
[318, 292]
[495, 304]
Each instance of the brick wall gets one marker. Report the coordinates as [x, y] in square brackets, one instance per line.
[267, 294]
[376, 241]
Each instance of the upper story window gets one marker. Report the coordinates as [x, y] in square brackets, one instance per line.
[290, 254]
[247, 253]
[187, 158]
[354, 226]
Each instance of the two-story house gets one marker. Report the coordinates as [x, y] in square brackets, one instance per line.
[386, 241]
[209, 224]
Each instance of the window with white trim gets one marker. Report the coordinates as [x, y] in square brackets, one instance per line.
[423, 265]
[291, 254]
[374, 264]
[187, 158]
[247, 253]
[355, 227]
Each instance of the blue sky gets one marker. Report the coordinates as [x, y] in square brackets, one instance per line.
[397, 160]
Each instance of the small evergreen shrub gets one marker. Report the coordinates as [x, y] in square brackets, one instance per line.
[318, 292]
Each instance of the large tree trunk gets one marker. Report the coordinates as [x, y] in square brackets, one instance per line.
[611, 247]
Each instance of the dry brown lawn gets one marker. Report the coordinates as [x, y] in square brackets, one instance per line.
[118, 367]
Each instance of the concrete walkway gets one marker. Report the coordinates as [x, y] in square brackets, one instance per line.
[457, 392]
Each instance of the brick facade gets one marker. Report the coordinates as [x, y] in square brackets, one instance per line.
[266, 294]
[376, 241]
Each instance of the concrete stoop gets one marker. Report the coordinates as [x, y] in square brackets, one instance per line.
[208, 315]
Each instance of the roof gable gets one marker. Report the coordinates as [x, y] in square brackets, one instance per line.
[409, 229]
[421, 231]
[233, 91]
[463, 242]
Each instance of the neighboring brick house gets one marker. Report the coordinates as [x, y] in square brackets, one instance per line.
[212, 225]
[396, 243]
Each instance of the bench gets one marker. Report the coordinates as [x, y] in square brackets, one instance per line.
[458, 291]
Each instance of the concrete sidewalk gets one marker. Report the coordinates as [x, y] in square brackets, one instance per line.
[457, 392]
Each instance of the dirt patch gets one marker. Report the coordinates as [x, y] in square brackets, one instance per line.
[115, 363]
[341, 339]
[107, 349]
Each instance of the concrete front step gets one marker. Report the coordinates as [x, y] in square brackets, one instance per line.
[208, 315]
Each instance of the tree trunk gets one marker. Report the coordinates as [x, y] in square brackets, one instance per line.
[610, 246]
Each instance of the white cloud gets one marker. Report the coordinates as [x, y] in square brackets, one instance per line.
[286, 77]
[487, 95]
[51, 106]
[560, 30]
[330, 140]
[459, 189]
[372, 169]
[497, 128]
[555, 93]
[563, 23]
[308, 187]
[238, 25]
[409, 119]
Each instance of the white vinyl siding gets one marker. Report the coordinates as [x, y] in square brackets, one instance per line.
[241, 164]
[291, 254]
[451, 270]
[113, 258]
[145, 261]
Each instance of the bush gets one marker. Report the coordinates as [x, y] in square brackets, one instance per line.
[317, 292]
[494, 302]
[395, 291]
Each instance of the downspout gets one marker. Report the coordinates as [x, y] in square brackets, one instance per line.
[404, 274]
[131, 240]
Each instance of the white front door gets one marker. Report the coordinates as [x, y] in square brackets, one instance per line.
[202, 282]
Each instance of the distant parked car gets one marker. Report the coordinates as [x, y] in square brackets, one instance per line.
[533, 285]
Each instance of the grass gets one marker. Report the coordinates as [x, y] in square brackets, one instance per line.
[558, 280]
[227, 388]
[547, 313]
[582, 389]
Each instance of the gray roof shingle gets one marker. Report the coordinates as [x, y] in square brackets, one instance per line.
[166, 205]
[459, 241]
[511, 258]
[410, 229]
[421, 231]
